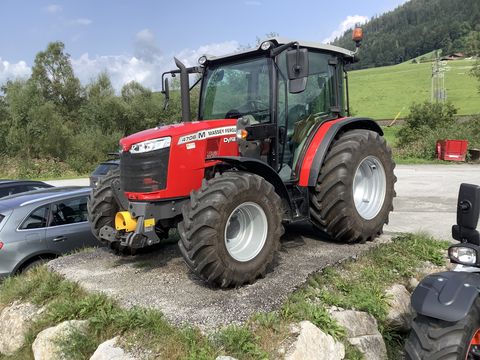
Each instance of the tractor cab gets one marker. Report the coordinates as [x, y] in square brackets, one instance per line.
[279, 91]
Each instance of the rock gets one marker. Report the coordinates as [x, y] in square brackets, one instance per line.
[356, 323]
[14, 323]
[109, 350]
[412, 284]
[312, 343]
[427, 268]
[45, 346]
[362, 332]
[371, 346]
[223, 357]
[400, 315]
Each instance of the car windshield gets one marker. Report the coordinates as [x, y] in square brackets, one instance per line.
[237, 89]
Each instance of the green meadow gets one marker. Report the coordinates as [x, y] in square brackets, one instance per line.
[383, 92]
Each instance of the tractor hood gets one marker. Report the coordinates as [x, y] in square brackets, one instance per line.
[184, 132]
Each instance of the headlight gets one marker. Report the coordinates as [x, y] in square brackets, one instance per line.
[151, 145]
[465, 254]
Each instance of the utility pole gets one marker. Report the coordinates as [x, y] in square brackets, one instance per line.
[439, 92]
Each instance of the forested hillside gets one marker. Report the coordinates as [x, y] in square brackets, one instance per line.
[416, 28]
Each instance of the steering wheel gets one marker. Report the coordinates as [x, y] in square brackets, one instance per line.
[233, 114]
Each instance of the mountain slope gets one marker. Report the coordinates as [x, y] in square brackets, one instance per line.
[418, 27]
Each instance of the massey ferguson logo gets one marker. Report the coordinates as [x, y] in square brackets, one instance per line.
[205, 134]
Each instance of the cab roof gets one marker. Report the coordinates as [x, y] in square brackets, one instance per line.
[281, 41]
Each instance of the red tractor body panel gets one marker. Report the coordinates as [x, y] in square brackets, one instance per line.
[312, 151]
[192, 144]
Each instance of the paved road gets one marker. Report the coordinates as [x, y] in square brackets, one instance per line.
[427, 197]
[159, 279]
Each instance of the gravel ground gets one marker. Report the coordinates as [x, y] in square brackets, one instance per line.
[159, 279]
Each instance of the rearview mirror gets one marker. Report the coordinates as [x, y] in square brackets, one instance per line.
[297, 65]
[468, 211]
[166, 92]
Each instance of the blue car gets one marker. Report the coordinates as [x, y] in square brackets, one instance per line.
[40, 225]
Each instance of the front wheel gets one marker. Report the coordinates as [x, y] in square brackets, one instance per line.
[437, 339]
[231, 229]
[354, 192]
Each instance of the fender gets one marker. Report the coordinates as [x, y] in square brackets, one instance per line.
[446, 295]
[260, 168]
[38, 254]
[321, 141]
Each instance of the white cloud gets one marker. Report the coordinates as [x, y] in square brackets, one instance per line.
[125, 68]
[81, 21]
[346, 24]
[146, 70]
[53, 8]
[11, 71]
[253, 3]
[145, 46]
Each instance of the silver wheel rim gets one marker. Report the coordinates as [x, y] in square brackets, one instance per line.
[369, 187]
[246, 231]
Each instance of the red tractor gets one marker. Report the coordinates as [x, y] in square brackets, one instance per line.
[272, 145]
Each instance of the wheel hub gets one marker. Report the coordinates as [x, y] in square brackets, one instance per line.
[369, 187]
[246, 231]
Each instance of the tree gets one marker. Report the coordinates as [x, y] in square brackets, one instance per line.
[53, 74]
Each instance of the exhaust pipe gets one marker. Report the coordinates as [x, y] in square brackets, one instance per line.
[184, 90]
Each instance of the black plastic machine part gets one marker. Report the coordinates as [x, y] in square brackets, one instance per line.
[449, 295]
[468, 211]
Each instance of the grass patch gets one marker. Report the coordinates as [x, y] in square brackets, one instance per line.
[356, 285]
[382, 92]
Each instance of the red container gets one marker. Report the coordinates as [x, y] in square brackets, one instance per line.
[452, 150]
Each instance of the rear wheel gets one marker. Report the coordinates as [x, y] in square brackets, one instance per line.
[355, 188]
[437, 339]
[231, 229]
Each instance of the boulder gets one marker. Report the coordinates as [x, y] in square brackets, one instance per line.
[312, 343]
[45, 346]
[362, 332]
[223, 357]
[400, 315]
[14, 323]
[109, 350]
[412, 284]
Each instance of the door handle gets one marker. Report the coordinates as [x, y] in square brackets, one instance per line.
[59, 238]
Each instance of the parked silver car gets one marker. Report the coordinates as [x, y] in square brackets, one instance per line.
[41, 225]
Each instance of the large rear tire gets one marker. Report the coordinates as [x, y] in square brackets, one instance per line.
[231, 229]
[437, 339]
[355, 188]
[102, 207]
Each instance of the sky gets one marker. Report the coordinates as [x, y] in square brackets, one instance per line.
[136, 40]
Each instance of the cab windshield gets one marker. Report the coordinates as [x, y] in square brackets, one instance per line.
[242, 88]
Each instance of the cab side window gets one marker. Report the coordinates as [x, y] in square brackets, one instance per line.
[69, 211]
[37, 219]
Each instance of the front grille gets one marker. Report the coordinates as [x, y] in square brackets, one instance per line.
[144, 172]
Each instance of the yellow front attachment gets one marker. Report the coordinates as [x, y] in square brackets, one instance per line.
[124, 221]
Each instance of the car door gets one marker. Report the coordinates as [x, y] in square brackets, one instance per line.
[68, 228]
[31, 232]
